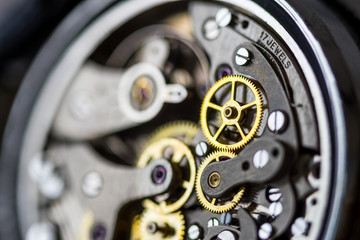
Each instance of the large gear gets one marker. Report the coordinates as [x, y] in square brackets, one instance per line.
[182, 130]
[155, 225]
[180, 155]
[216, 205]
[232, 112]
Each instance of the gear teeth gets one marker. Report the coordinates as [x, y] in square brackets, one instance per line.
[201, 197]
[209, 96]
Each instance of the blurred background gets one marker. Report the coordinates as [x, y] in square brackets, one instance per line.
[26, 24]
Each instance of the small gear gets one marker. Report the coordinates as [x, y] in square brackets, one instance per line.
[216, 205]
[182, 130]
[234, 114]
[157, 226]
[181, 156]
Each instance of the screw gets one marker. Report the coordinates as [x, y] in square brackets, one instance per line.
[159, 174]
[226, 235]
[98, 232]
[92, 184]
[41, 231]
[275, 209]
[201, 149]
[51, 185]
[261, 158]
[223, 17]
[242, 56]
[274, 194]
[277, 121]
[225, 218]
[213, 222]
[299, 227]
[194, 232]
[265, 231]
[211, 29]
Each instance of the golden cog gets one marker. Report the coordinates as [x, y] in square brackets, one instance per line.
[182, 130]
[232, 112]
[135, 228]
[180, 155]
[216, 205]
[157, 226]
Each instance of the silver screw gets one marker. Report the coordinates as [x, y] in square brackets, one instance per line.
[194, 232]
[274, 194]
[226, 235]
[211, 29]
[223, 17]
[275, 209]
[299, 227]
[265, 231]
[213, 222]
[242, 56]
[225, 218]
[92, 184]
[277, 121]
[261, 158]
[41, 231]
[51, 185]
[201, 149]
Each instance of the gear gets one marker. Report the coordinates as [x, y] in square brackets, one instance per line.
[135, 228]
[155, 225]
[180, 155]
[182, 130]
[216, 205]
[234, 114]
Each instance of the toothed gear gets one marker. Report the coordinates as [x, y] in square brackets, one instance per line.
[182, 130]
[169, 226]
[180, 153]
[216, 205]
[233, 113]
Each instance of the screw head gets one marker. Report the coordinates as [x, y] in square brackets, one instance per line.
[213, 222]
[274, 194]
[92, 184]
[265, 231]
[226, 235]
[51, 184]
[225, 218]
[242, 56]
[159, 174]
[261, 158]
[210, 29]
[277, 121]
[152, 227]
[201, 149]
[275, 209]
[299, 227]
[223, 17]
[194, 232]
[41, 231]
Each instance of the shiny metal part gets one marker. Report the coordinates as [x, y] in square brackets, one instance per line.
[242, 56]
[277, 121]
[41, 231]
[274, 194]
[299, 227]
[261, 158]
[92, 184]
[223, 17]
[226, 235]
[225, 218]
[201, 149]
[213, 222]
[275, 209]
[265, 231]
[211, 29]
[194, 232]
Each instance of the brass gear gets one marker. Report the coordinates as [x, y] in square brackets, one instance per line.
[182, 130]
[135, 228]
[216, 205]
[180, 152]
[232, 113]
[155, 225]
